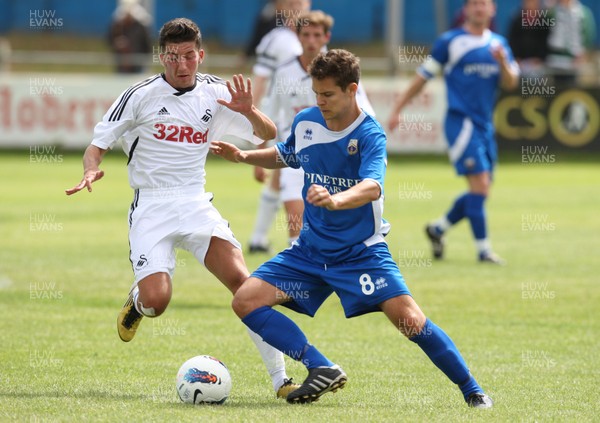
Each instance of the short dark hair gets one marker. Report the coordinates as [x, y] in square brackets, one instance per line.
[339, 64]
[179, 30]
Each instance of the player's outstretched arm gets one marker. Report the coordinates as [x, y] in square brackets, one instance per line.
[91, 173]
[266, 157]
[260, 174]
[403, 99]
[360, 194]
[241, 102]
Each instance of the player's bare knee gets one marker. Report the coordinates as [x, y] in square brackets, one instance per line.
[245, 300]
[480, 190]
[479, 184]
[236, 283]
[154, 295]
[160, 304]
[153, 304]
[240, 304]
[411, 322]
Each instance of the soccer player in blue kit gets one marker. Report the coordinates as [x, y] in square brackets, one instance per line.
[341, 247]
[475, 61]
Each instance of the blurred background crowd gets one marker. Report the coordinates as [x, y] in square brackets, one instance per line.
[556, 37]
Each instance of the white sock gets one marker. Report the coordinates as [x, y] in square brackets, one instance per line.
[135, 293]
[442, 224]
[272, 358]
[148, 312]
[267, 209]
[483, 245]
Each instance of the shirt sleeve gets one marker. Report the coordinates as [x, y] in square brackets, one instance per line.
[438, 57]
[266, 56]
[119, 118]
[228, 122]
[287, 149]
[274, 49]
[373, 158]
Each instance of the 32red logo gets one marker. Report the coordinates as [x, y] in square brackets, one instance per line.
[180, 134]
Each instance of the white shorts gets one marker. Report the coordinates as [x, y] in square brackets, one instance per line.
[290, 183]
[161, 220]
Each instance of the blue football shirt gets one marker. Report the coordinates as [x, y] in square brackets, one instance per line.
[337, 161]
[470, 71]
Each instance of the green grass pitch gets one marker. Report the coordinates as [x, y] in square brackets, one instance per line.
[529, 331]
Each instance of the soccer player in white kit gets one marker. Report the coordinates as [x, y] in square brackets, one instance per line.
[290, 92]
[167, 123]
[278, 46]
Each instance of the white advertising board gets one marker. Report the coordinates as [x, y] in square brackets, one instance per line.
[62, 110]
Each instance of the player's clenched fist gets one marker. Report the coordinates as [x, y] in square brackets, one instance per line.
[318, 195]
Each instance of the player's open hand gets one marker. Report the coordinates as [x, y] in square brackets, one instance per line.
[241, 96]
[227, 151]
[318, 195]
[89, 177]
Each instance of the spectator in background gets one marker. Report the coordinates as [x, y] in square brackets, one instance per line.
[528, 37]
[571, 35]
[129, 36]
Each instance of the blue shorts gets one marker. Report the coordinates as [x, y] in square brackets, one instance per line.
[471, 148]
[361, 283]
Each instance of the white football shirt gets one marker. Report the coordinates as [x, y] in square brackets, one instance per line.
[166, 133]
[291, 91]
[278, 46]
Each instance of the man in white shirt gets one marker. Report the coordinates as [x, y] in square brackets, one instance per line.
[167, 123]
[278, 46]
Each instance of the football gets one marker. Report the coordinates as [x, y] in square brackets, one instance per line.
[203, 380]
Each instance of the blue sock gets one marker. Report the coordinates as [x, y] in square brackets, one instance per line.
[457, 212]
[279, 331]
[443, 353]
[476, 213]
